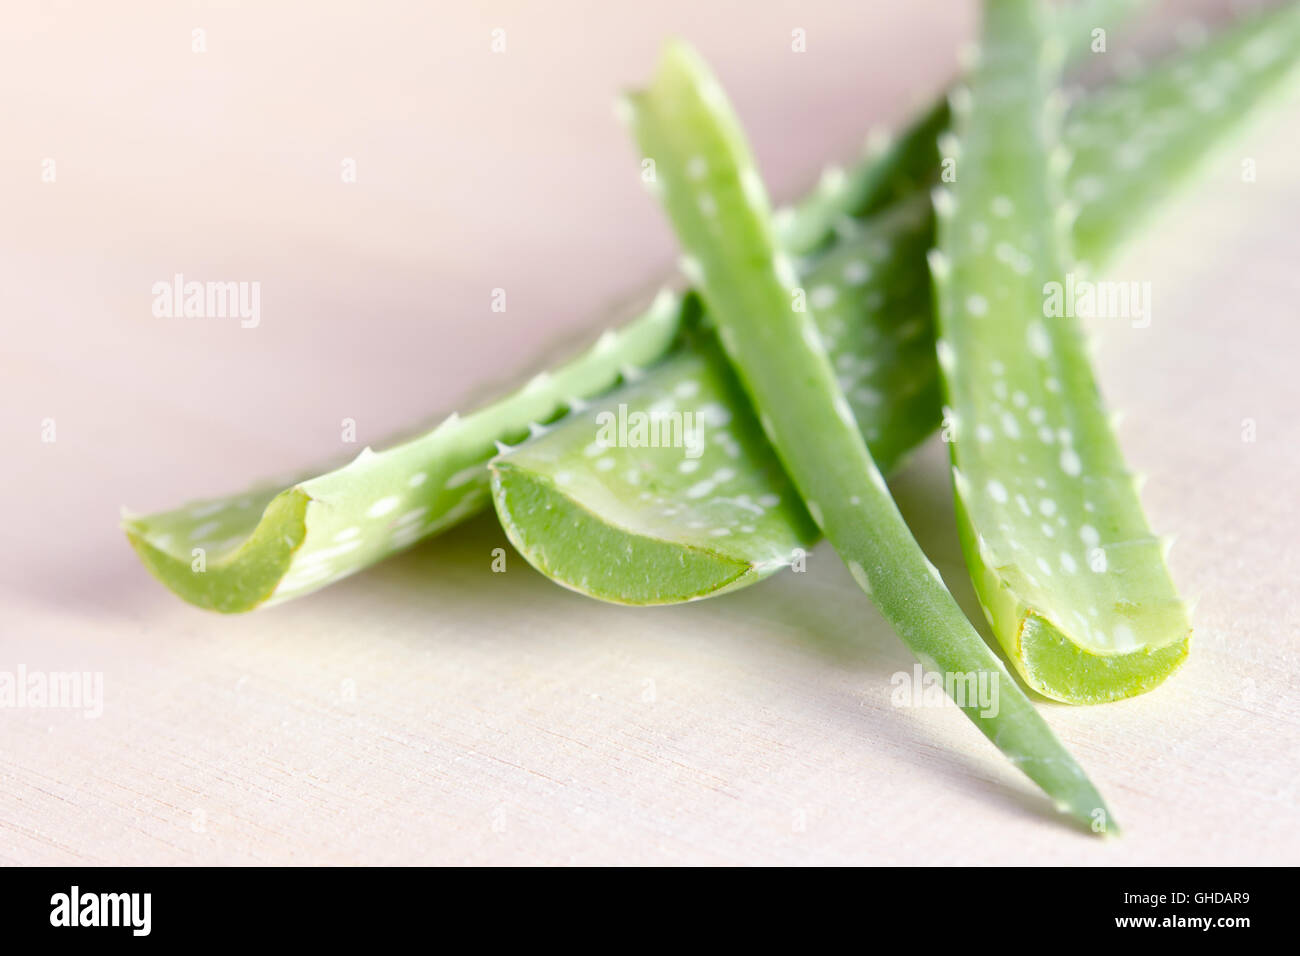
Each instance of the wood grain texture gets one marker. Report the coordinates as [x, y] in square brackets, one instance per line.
[430, 711]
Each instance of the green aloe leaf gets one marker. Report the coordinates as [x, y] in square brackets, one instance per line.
[872, 304]
[716, 201]
[613, 528]
[1069, 574]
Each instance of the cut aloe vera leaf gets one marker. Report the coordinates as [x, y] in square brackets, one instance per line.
[613, 528]
[895, 169]
[1070, 577]
[872, 306]
[1168, 117]
[645, 519]
[275, 543]
[718, 206]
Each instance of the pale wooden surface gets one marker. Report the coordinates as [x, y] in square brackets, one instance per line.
[428, 710]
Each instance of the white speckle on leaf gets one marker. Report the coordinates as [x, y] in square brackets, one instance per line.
[1123, 638]
[824, 296]
[1010, 425]
[860, 575]
[752, 186]
[692, 269]
[856, 272]
[844, 411]
[940, 267]
[947, 358]
[699, 489]
[786, 273]
[1039, 343]
[204, 530]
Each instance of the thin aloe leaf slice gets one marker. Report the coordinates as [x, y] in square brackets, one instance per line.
[716, 201]
[274, 543]
[1072, 580]
[872, 306]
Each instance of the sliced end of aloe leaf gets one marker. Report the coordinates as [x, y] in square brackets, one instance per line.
[664, 492]
[1057, 667]
[584, 552]
[226, 556]
[1085, 646]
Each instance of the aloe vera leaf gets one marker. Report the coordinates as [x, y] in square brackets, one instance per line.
[896, 168]
[716, 201]
[1070, 577]
[274, 543]
[1169, 117]
[873, 312]
[612, 528]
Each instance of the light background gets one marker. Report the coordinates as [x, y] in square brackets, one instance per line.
[428, 710]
